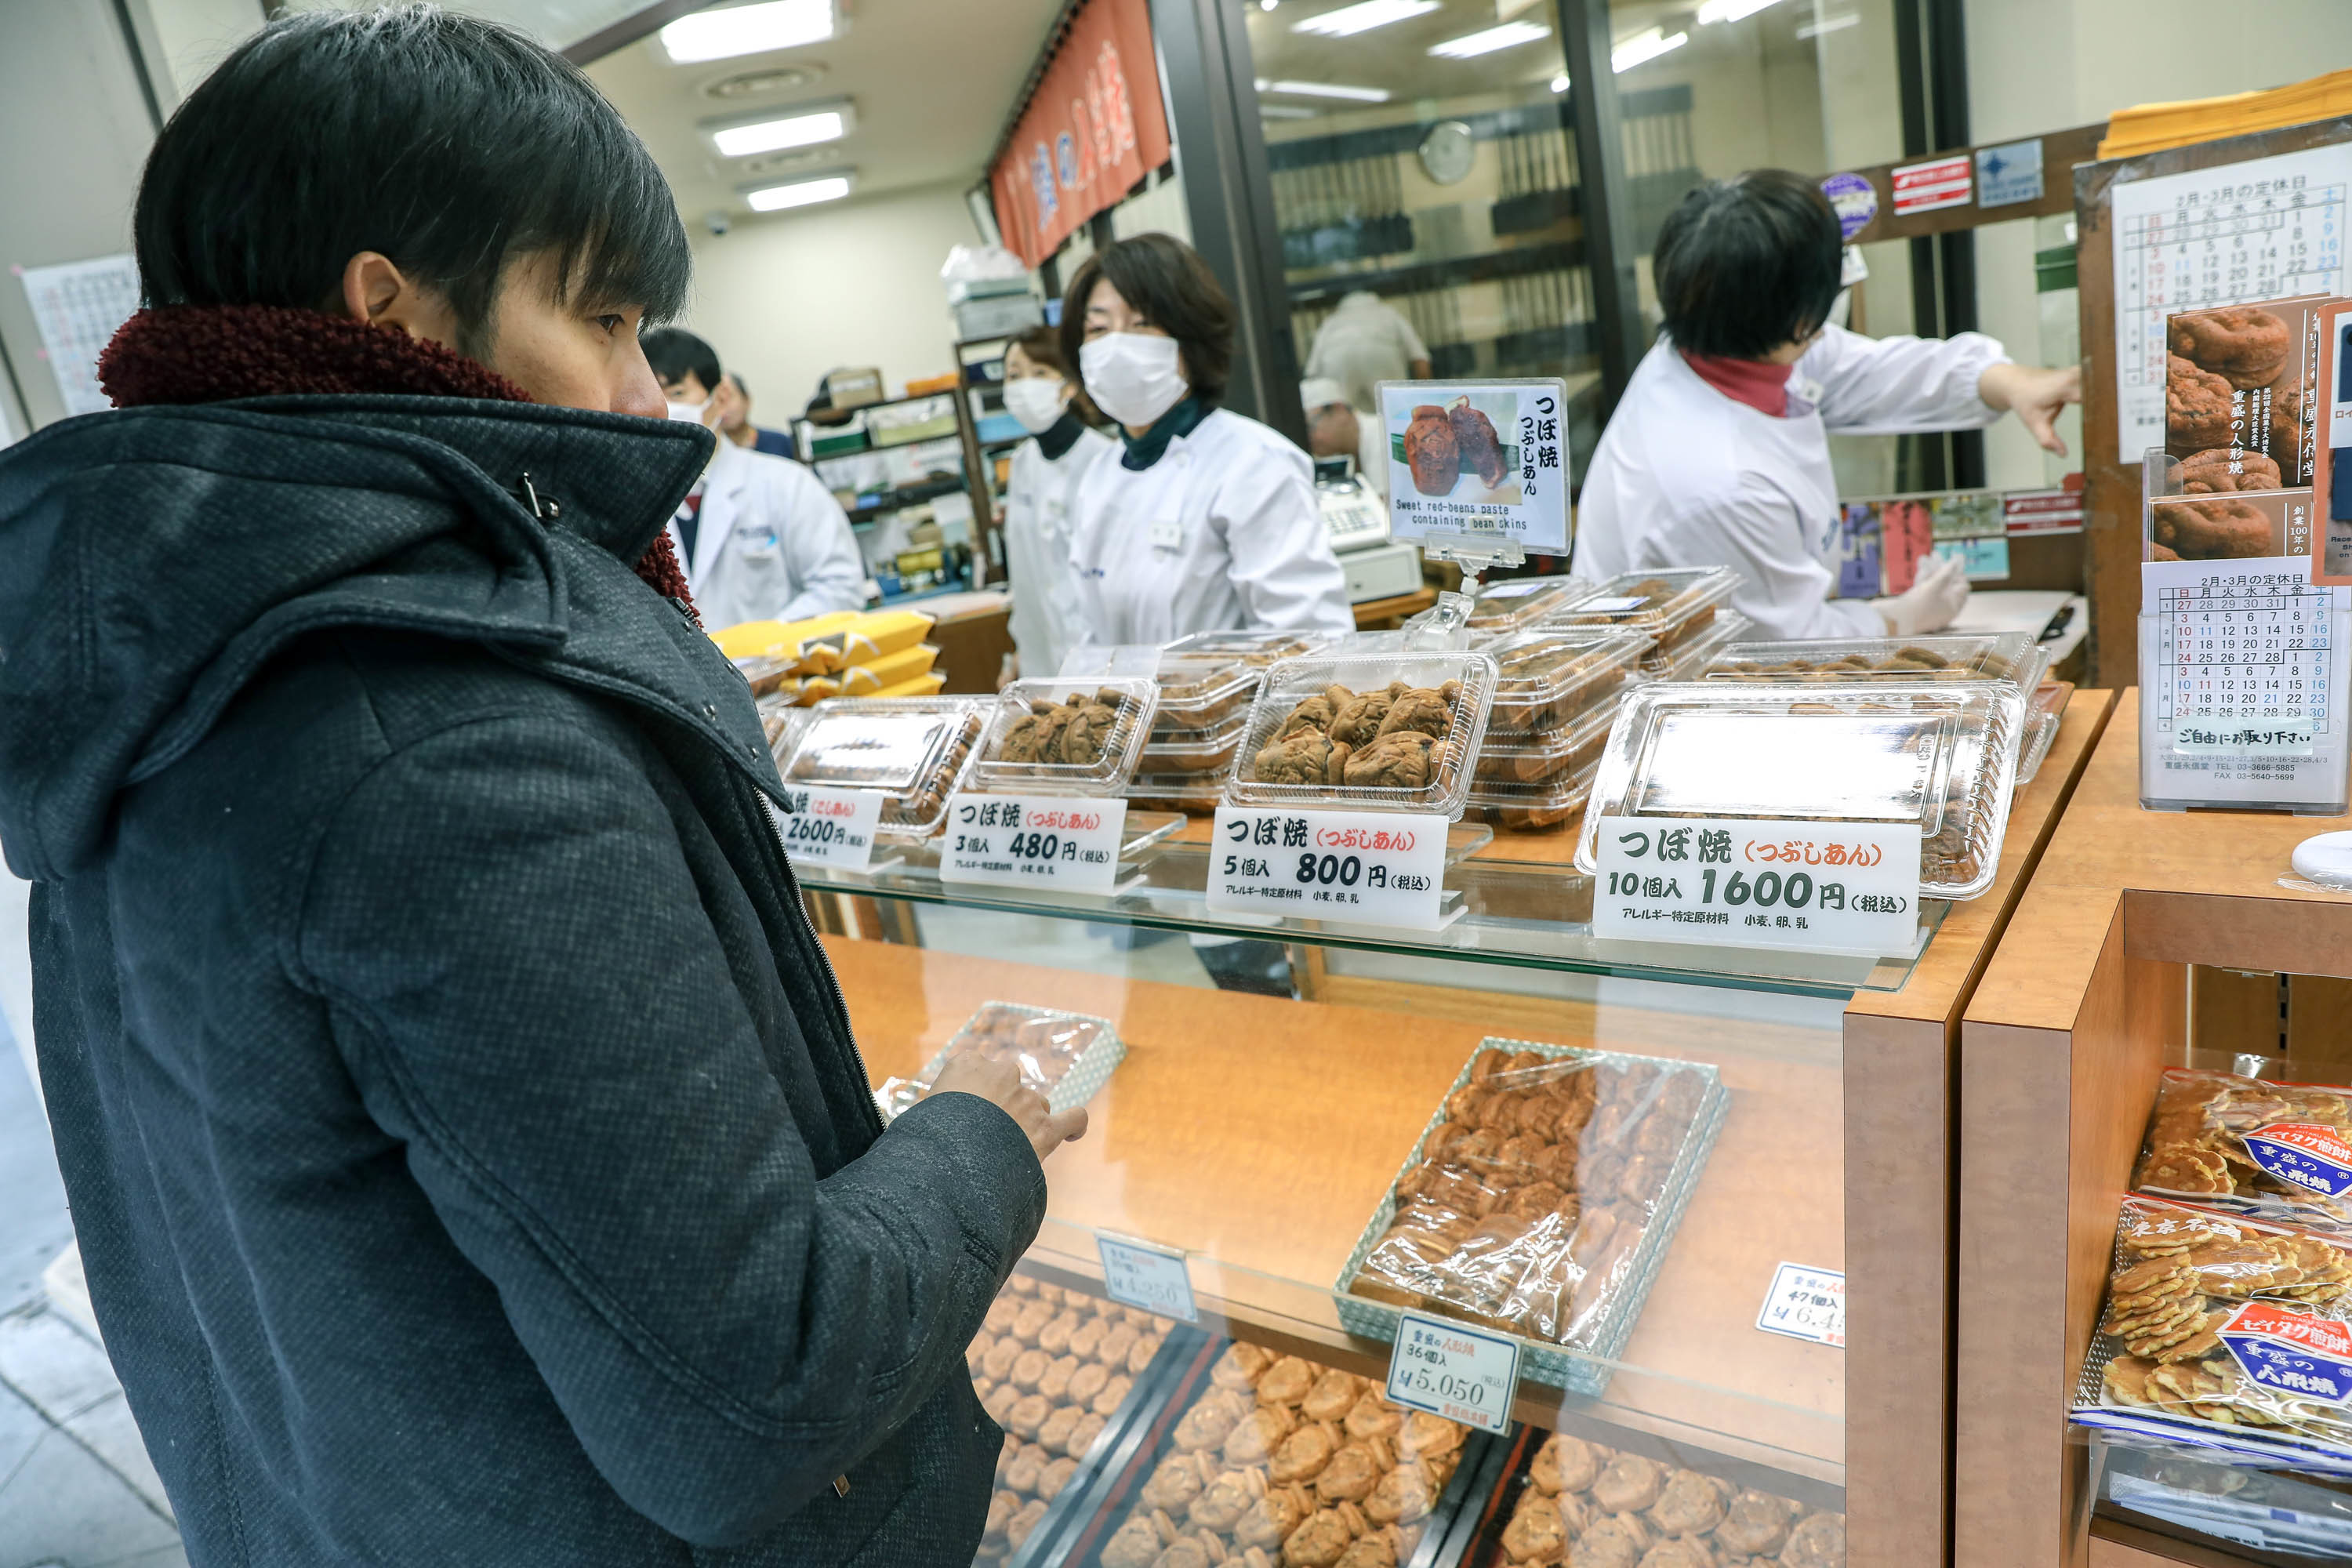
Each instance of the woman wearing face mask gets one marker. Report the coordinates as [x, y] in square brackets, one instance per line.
[1038, 393]
[1206, 521]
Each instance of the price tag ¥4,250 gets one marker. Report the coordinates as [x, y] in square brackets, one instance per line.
[1462, 1374]
[832, 827]
[1138, 1274]
[1369, 868]
[1033, 841]
[1831, 887]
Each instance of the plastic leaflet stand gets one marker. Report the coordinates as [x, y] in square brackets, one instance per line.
[2276, 1150]
[2044, 711]
[1289, 735]
[1554, 676]
[2014, 657]
[1065, 737]
[1451, 1236]
[1673, 606]
[2204, 1342]
[916, 749]
[1066, 1056]
[1942, 756]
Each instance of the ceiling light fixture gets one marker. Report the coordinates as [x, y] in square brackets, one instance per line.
[1715, 11]
[747, 30]
[1829, 25]
[1363, 16]
[1326, 90]
[1559, 82]
[1286, 112]
[1471, 45]
[799, 194]
[1644, 46]
[803, 128]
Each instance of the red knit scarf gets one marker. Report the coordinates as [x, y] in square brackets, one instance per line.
[210, 353]
[1763, 387]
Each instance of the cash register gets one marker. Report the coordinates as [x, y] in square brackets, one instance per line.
[1357, 519]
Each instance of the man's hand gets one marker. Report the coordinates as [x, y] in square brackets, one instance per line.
[998, 1083]
[2035, 395]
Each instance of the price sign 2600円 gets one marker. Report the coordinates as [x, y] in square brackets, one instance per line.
[1829, 887]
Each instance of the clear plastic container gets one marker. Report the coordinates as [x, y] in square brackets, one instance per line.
[1554, 675]
[2044, 711]
[1522, 601]
[1692, 657]
[1248, 647]
[1536, 806]
[1563, 750]
[1208, 752]
[1195, 794]
[1203, 692]
[1673, 604]
[916, 749]
[1943, 757]
[1064, 1057]
[2005, 656]
[1065, 737]
[1375, 731]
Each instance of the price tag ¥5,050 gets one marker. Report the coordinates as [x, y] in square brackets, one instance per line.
[1369, 868]
[1138, 1274]
[1033, 841]
[1462, 1374]
[832, 827]
[1829, 887]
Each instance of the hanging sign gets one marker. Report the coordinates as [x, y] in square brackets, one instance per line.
[1094, 127]
[1482, 463]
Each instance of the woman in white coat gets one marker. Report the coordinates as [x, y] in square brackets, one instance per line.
[1719, 454]
[1205, 520]
[1045, 470]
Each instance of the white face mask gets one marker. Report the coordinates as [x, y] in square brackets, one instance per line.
[1036, 401]
[690, 412]
[1132, 377]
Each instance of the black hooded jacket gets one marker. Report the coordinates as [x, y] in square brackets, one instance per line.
[470, 1156]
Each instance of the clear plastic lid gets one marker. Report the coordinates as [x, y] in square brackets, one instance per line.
[2005, 656]
[1522, 601]
[1530, 806]
[1563, 749]
[1376, 731]
[1040, 1044]
[1944, 756]
[1204, 691]
[2044, 711]
[1694, 653]
[1065, 737]
[1551, 675]
[1194, 750]
[915, 749]
[1249, 647]
[1672, 605]
[1195, 794]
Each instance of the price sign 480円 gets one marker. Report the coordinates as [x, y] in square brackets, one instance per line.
[1829, 887]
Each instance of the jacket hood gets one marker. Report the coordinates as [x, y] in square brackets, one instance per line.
[158, 556]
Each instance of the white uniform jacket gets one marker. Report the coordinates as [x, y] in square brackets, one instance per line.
[1686, 475]
[1045, 617]
[1222, 533]
[771, 544]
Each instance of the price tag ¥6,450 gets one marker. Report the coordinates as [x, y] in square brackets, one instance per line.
[1829, 887]
[832, 827]
[1138, 1274]
[1805, 1304]
[1462, 1374]
[1069, 842]
[1369, 868]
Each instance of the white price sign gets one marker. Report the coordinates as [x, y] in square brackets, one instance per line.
[832, 827]
[1806, 1304]
[1369, 868]
[1462, 1374]
[1829, 887]
[1483, 461]
[1138, 1274]
[1033, 841]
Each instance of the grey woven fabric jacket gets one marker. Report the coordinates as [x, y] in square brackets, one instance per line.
[470, 1156]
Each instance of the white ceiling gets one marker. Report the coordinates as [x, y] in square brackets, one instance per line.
[930, 80]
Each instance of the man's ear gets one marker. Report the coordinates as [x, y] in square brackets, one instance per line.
[376, 291]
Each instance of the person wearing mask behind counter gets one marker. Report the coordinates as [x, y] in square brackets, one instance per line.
[1206, 521]
[1045, 470]
[1718, 455]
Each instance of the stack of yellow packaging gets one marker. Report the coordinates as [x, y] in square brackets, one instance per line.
[2152, 127]
[850, 653]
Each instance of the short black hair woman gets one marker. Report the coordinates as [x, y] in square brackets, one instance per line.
[1207, 520]
[1719, 453]
[470, 1155]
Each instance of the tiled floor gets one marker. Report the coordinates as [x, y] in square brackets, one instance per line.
[75, 1488]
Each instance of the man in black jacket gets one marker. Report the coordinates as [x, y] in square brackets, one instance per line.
[469, 1152]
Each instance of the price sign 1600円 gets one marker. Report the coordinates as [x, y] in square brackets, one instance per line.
[1828, 887]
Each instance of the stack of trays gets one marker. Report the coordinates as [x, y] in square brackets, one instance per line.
[1674, 607]
[1556, 693]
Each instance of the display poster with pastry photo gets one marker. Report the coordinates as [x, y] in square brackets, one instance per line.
[2331, 469]
[1478, 463]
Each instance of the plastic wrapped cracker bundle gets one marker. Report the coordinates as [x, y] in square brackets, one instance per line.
[1586, 1505]
[2280, 1151]
[1064, 1056]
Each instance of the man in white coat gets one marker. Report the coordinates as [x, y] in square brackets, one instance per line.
[761, 538]
[1718, 455]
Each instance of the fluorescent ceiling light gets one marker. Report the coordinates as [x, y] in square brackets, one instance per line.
[747, 30]
[1559, 82]
[1642, 46]
[1508, 35]
[1362, 17]
[1730, 10]
[799, 194]
[803, 129]
[1326, 89]
[1285, 111]
[1829, 25]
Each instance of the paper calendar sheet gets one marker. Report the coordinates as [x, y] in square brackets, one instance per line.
[78, 304]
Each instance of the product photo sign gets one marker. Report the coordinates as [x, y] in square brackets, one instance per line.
[1826, 887]
[1479, 462]
[1033, 841]
[1366, 867]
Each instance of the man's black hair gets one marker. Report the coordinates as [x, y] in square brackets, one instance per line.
[450, 144]
[675, 353]
[1165, 281]
[1746, 265]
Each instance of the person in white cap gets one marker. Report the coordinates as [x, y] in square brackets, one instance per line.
[1335, 429]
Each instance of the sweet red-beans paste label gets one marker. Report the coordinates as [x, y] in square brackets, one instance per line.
[2308, 1357]
[2309, 1154]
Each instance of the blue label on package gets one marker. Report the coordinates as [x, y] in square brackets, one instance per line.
[2310, 1358]
[2307, 1154]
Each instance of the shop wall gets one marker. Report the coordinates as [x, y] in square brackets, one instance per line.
[786, 299]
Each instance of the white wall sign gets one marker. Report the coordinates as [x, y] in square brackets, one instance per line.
[1825, 887]
[1033, 841]
[79, 305]
[832, 827]
[1448, 1369]
[1366, 867]
[1484, 463]
[1140, 1274]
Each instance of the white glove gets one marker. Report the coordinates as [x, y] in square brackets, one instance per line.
[1937, 596]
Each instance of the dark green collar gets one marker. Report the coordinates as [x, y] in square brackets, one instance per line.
[1059, 436]
[1148, 448]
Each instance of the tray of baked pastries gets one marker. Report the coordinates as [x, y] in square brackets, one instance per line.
[1259, 1460]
